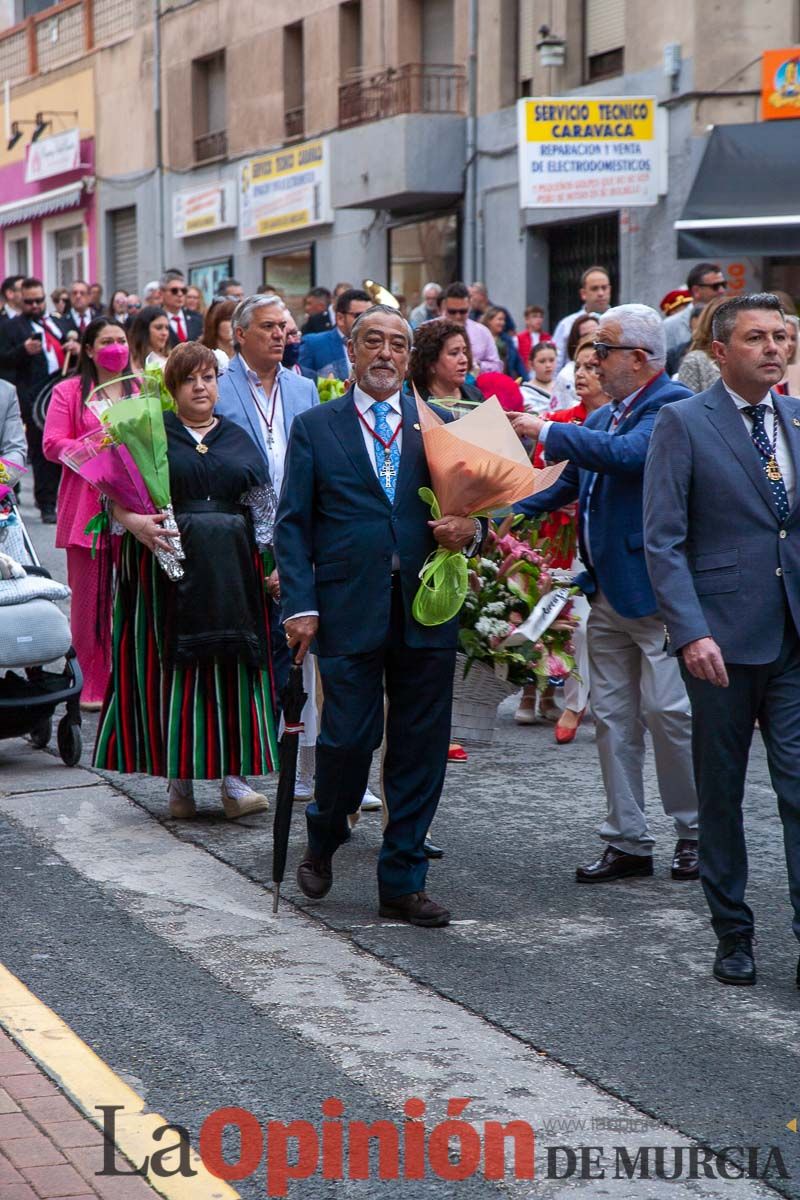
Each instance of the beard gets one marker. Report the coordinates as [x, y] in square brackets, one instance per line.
[382, 375]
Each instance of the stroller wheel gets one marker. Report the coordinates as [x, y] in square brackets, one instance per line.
[69, 742]
[41, 733]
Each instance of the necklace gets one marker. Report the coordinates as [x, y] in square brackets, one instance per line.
[200, 447]
[771, 469]
[208, 424]
[386, 472]
[269, 421]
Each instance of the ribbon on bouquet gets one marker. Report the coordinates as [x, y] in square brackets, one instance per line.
[97, 527]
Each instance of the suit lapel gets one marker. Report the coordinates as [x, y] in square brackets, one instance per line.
[788, 410]
[237, 370]
[347, 429]
[727, 420]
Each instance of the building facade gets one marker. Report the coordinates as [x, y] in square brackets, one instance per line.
[223, 138]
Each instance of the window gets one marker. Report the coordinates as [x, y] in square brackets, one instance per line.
[18, 251]
[65, 251]
[124, 256]
[293, 81]
[437, 31]
[209, 103]
[421, 251]
[291, 274]
[350, 57]
[604, 38]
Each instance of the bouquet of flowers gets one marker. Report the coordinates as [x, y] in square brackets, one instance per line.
[477, 464]
[515, 617]
[10, 473]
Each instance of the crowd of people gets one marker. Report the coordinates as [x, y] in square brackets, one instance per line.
[304, 534]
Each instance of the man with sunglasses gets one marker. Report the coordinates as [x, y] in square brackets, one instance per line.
[705, 281]
[184, 325]
[634, 684]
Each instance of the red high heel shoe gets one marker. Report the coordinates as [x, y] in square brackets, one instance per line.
[566, 733]
[456, 753]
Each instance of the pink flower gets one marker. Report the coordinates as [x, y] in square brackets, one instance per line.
[556, 667]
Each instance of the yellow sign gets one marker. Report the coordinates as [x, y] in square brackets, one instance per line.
[604, 120]
[780, 84]
[285, 190]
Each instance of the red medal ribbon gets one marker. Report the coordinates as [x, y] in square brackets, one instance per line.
[386, 445]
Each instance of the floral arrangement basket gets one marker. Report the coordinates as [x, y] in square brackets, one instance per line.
[516, 628]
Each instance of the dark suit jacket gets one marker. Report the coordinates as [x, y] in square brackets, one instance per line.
[605, 472]
[320, 350]
[721, 562]
[336, 531]
[29, 370]
[193, 323]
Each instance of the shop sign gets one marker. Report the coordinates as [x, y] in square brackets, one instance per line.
[54, 155]
[589, 152]
[285, 190]
[203, 210]
[780, 84]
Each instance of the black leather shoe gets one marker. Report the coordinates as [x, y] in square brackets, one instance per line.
[614, 864]
[48, 516]
[315, 875]
[733, 962]
[684, 861]
[432, 851]
[417, 908]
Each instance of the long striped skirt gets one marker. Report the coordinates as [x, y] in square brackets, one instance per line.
[200, 722]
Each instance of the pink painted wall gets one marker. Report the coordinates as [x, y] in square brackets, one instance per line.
[13, 187]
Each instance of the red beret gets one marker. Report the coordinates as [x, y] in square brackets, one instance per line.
[675, 300]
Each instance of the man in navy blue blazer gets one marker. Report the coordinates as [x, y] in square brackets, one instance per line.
[351, 536]
[319, 351]
[722, 536]
[634, 684]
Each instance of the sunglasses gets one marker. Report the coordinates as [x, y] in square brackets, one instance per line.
[716, 287]
[603, 349]
[177, 291]
[456, 312]
[33, 300]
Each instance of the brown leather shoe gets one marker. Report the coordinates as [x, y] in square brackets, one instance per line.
[315, 875]
[685, 864]
[417, 908]
[614, 864]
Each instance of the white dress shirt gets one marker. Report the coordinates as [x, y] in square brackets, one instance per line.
[782, 451]
[77, 318]
[50, 355]
[561, 335]
[364, 404]
[276, 453]
[172, 318]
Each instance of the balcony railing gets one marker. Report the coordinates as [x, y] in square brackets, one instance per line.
[294, 123]
[411, 88]
[60, 34]
[209, 146]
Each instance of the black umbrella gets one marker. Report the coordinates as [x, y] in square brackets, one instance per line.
[292, 699]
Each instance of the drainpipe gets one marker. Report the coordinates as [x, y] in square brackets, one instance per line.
[469, 255]
[158, 137]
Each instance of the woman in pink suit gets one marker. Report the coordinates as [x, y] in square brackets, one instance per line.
[104, 358]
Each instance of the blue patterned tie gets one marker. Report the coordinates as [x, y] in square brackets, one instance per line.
[757, 413]
[386, 462]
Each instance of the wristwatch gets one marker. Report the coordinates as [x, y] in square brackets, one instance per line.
[472, 547]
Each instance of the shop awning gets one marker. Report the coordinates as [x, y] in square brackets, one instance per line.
[746, 195]
[42, 205]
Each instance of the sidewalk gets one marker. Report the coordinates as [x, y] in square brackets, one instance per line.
[48, 1149]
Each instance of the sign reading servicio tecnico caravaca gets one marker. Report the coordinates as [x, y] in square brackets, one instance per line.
[587, 152]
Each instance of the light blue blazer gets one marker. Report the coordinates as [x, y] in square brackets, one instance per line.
[235, 399]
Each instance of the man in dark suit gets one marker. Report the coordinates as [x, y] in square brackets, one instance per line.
[634, 684]
[350, 538]
[184, 325]
[320, 351]
[35, 355]
[80, 314]
[722, 536]
[316, 305]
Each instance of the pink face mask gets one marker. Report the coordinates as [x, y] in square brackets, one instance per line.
[113, 357]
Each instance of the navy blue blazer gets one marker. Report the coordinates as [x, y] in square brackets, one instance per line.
[721, 562]
[235, 399]
[336, 531]
[320, 350]
[605, 474]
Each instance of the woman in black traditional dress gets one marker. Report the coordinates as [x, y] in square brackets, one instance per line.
[191, 689]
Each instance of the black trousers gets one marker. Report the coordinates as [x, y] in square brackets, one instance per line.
[46, 474]
[419, 688]
[722, 730]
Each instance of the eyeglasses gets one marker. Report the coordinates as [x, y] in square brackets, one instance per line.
[720, 286]
[33, 300]
[456, 312]
[603, 349]
[177, 291]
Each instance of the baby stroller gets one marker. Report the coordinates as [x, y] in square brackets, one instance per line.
[34, 633]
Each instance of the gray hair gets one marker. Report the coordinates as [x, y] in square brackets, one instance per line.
[725, 317]
[153, 286]
[170, 277]
[640, 326]
[436, 287]
[243, 313]
[386, 308]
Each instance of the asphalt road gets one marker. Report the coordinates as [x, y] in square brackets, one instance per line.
[613, 982]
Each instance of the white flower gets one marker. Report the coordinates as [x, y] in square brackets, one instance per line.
[491, 627]
[495, 609]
